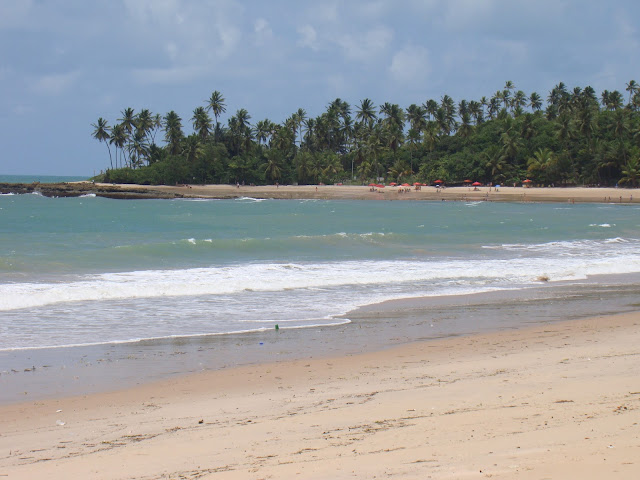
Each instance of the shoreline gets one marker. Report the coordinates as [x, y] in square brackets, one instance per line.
[552, 400]
[333, 192]
[41, 373]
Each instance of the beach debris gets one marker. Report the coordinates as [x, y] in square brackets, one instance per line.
[201, 421]
[542, 278]
[58, 411]
[277, 327]
[60, 423]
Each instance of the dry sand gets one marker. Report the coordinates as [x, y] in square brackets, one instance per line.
[503, 194]
[552, 402]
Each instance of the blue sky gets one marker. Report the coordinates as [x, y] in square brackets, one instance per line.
[64, 63]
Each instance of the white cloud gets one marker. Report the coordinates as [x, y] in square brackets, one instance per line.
[308, 37]
[410, 65]
[229, 36]
[364, 47]
[192, 32]
[55, 84]
[262, 31]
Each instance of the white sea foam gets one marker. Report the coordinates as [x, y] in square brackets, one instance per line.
[555, 260]
[88, 195]
[251, 199]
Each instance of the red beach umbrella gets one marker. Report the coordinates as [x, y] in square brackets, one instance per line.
[438, 181]
[380, 186]
[527, 181]
[467, 181]
[393, 184]
[476, 184]
[405, 185]
[417, 183]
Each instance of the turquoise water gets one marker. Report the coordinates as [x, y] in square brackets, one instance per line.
[82, 271]
[40, 178]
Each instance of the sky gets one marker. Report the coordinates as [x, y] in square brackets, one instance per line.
[65, 63]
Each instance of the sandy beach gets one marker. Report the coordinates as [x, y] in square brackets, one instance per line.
[553, 401]
[336, 192]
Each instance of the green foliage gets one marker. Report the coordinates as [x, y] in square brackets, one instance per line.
[577, 138]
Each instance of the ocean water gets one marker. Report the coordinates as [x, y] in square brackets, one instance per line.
[94, 271]
[40, 178]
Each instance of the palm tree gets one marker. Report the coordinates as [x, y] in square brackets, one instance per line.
[273, 169]
[541, 164]
[511, 145]
[496, 165]
[465, 128]
[535, 102]
[631, 172]
[128, 120]
[448, 107]
[138, 148]
[299, 118]
[494, 105]
[399, 170]
[632, 88]
[262, 130]
[173, 134]
[475, 109]
[416, 116]
[616, 100]
[201, 122]
[519, 101]
[430, 136]
[144, 122]
[366, 113]
[119, 139]
[191, 147]
[216, 105]
[156, 125]
[374, 148]
[101, 133]
[430, 107]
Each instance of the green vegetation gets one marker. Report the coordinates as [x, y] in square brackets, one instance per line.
[577, 139]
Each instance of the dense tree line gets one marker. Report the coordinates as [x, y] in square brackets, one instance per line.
[577, 138]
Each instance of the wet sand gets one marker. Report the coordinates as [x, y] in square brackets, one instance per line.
[37, 374]
[552, 401]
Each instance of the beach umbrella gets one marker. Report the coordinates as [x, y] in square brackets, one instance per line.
[527, 181]
[372, 184]
[380, 186]
[438, 181]
[405, 185]
[393, 184]
[467, 181]
[417, 183]
[476, 184]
